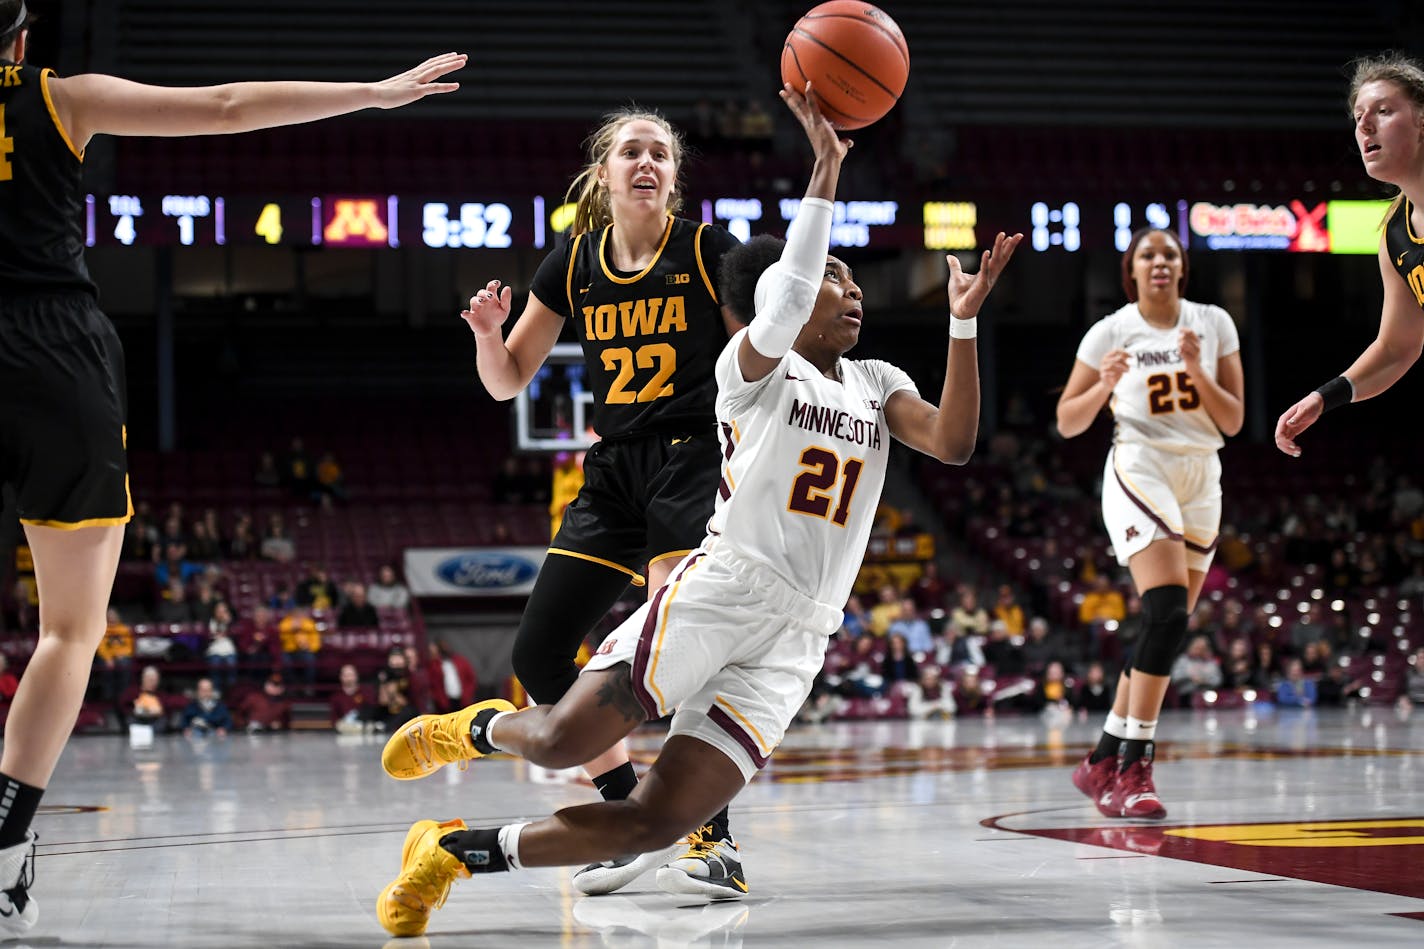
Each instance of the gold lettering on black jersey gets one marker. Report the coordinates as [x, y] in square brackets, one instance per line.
[678, 278]
[633, 318]
[1416, 283]
[7, 145]
[12, 76]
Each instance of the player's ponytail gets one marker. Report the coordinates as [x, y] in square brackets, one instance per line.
[592, 209]
[13, 18]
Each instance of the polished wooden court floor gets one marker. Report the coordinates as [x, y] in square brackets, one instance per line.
[1285, 829]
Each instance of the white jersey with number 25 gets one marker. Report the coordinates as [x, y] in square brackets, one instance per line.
[1154, 403]
[803, 466]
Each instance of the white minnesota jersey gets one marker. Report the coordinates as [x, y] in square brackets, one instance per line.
[803, 466]
[1154, 403]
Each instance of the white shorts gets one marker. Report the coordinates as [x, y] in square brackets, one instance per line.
[1150, 494]
[730, 646]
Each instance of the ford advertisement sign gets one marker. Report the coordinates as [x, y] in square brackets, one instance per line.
[484, 571]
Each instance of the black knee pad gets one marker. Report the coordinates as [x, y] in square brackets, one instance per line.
[1164, 626]
[569, 597]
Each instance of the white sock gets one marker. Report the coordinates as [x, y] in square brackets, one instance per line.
[509, 842]
[1138, 730]
[1116, 725]
[489, 731]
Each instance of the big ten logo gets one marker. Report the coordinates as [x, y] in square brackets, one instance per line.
[632, 318]
[678, 278]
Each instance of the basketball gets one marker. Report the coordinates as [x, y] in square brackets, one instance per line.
[855, 58]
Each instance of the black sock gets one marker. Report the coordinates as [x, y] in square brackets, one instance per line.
[18, 803]
[1108, 746]
[617, 783]
[478, 850]
[1136, 748]
[479, 731]
[721, 826]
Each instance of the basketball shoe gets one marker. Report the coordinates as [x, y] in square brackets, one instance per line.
[596, 879]
[1133, 794]
[1096, 781]
[711, 866]
[18, 910]
[428, 871]
[424, 745]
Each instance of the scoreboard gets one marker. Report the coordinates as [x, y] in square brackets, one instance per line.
[1060, 224]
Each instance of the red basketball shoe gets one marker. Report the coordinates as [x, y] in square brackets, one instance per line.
[1134, 794]
[1096, 781]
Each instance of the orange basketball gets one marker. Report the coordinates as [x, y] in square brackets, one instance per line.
[855, 58]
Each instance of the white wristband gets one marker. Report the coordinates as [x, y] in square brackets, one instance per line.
[963, 329]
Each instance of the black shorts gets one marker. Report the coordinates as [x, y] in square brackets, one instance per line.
[643, 499]
[63, 405]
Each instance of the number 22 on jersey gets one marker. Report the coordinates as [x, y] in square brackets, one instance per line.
[811, 492]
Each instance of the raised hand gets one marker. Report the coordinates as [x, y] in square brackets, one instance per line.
[825, 141]
[419, 82]
[488, 309]
[1297, 419]
[967, 291]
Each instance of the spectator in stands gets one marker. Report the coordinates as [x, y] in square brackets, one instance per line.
[282, 599]
[147, 705]
[1008, 611]
[171, 532]
[175, 564]
[970, 696]
[356, 612]
[969, 618]
[277, 546]
[330, 479]
[1308, 628]
[243, 544]
[1003, 651]
[387, 592]
[1239, 670]
[855, 621]
[930, 591]
[1050, 693]
[960, 649]
[206, 714]
[267, 474]
[1341, 575]
[457, 676]
[1335, 686]
[1311, 659]
[1101, 603]
[115, 654]
[885, 611]
[174, 607]
[141, 534]
[301, 641]
[221, 652]
[898, 665]
[1042, 646]
[297, 471]
[395, 692]
[204, 601]
[1295, 690]
[352, 705]
[267, 708]
[1266, 672]
[203, 546]
[913, 627]
[316, 590]
[258, 643]
[930, 696]
[9, 684]
[1195, 670]
[757, 126]
[1093, 693]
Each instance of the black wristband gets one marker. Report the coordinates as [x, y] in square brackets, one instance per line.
[1337, 392]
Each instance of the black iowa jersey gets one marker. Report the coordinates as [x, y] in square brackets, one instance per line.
[650, 339]
[41, 196]
[1406, 249]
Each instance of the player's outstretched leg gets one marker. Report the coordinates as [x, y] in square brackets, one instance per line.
[427, 743]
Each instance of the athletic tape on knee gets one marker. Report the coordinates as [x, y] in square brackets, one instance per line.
[786, 291]
[1164, 626]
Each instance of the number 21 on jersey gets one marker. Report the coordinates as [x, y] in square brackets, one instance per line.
[812, 491]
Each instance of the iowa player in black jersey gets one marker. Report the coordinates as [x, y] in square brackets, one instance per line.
[636, 284]
[62, 402]
[1387, 104]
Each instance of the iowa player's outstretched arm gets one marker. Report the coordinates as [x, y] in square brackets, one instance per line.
[94, 104]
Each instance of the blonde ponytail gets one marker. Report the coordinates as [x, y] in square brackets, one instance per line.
[592, 209]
